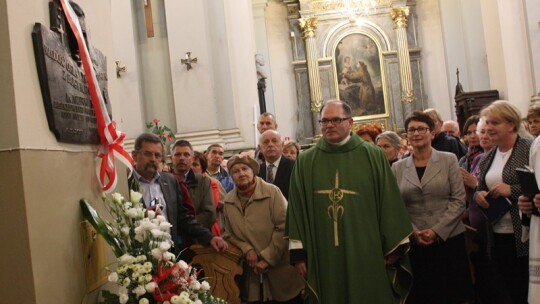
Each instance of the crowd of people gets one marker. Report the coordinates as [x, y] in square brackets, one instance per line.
[428, 216]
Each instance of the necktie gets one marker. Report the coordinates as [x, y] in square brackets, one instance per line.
[269, 175]
[186, 196]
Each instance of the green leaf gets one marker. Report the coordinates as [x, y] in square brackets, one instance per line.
[109, 297]
[91, 215]
[149, 125]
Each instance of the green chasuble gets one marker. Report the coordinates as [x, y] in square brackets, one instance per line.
[346, 209]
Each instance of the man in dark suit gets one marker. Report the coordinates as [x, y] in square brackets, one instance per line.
[280, 167]
[442, 141]
[161, 192]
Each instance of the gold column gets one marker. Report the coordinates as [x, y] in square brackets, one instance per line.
[309, 28]
[399, 16]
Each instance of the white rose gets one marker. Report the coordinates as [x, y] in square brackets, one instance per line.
[139, 238]
[164, 246]
[135, 196]
[126, 282]
[168, 256]
[150, 287]
[125, 230]
[205, 286]
[183, 265]
[195, 285]
[132, 213]
[139, 290]
[123, 298]
[144, 301]
[117, 198]
[157, 233]
[160, 218]
[156, 253]
[151, 214]
[165, 226]
[126, 259]
[113, 277]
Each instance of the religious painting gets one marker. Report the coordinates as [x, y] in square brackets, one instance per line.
[359, 76]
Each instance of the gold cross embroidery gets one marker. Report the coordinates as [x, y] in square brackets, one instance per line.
[335, 211]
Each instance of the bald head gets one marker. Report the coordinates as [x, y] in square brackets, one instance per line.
[451, 127]
[270, 145]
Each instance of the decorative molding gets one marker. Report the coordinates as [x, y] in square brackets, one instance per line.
[399, 16]
[308, 27]
[230, 139]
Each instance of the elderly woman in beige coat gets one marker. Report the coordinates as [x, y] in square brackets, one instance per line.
[255, 213]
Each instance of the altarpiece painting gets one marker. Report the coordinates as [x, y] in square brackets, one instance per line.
[359, 76]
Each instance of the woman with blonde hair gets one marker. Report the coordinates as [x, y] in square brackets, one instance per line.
[291, 149]
[498, 179]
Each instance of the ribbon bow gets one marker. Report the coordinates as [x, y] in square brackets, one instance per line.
[112, 146]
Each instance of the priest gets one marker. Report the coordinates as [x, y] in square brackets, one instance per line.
[347, 224]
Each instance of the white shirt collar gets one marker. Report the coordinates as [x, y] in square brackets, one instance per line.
[276, 163]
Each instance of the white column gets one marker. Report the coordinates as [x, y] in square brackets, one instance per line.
[261, 41]
[507, 49]
[399, 16]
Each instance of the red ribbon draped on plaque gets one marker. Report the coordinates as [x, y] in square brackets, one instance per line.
[112, 140]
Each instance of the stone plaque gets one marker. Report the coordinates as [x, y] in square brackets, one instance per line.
[68, 106]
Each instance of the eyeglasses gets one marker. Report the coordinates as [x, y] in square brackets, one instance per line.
[334, 121]
[421, 130]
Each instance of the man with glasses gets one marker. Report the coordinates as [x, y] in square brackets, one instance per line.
[347, 224]
[161, 192]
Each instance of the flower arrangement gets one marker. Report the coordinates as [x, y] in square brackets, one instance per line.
[146, 271]
[164, 132]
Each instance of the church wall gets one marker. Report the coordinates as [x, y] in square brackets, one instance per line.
[241, 45]
[130, 116]
[508, 51]
[434, 65]
[532, 11]
[42, 260]
[17, 272]
[279, 44]
[155, 72]
[464, 47]
[194, 94]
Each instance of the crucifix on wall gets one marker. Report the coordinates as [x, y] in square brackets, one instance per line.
[148, 18]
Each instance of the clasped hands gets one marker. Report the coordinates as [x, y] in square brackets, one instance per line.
[258, 266]
[425, 237]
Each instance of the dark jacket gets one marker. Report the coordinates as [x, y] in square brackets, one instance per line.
[201, 193]
[283, 174]
[448, 143]
[181, 219]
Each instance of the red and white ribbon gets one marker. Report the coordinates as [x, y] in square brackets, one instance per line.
[112, 140]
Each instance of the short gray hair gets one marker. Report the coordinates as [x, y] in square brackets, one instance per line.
[392, 138]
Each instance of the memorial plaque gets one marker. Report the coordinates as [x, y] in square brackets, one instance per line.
[68, 106]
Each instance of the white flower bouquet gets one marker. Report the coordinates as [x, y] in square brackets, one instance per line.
[146, 271]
